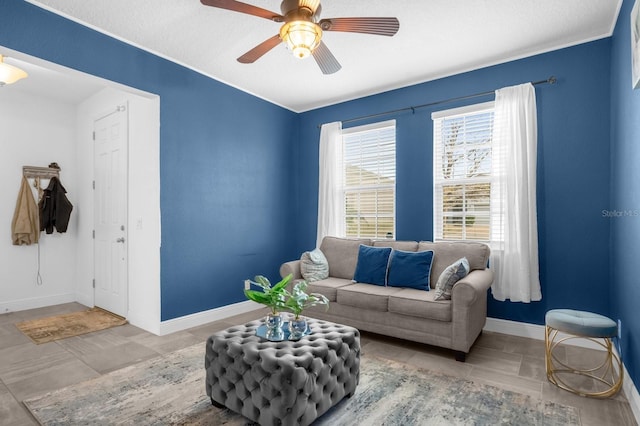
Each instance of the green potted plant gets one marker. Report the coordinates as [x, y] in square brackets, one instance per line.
[296, 302]
[274, 297]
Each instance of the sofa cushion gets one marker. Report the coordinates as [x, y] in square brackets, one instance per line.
[372, 265]
[366, 296]
[445, 253]
[397, 245]
[342, 255]
[421, 304]
[328, 287]
[451, 275]
[314, 265]
[410, 269]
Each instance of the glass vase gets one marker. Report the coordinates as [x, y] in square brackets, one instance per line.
[297, 328]
[274, 326]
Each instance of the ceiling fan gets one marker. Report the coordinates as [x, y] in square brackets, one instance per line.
[302, 29]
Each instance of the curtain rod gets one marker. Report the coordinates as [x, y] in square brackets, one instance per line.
[550, 80]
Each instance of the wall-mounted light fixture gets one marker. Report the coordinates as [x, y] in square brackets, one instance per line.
[9, 74]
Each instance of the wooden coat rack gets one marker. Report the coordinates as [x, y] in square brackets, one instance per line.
[40, 172]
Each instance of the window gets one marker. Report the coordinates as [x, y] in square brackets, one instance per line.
[462, 173]
[369, 180]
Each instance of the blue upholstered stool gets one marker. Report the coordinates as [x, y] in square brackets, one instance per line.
[566, 324]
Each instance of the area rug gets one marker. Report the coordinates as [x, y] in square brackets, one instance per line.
[170, 390]
[58, 327]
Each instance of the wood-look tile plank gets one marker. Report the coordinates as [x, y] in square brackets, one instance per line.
[30, 381]
[117, 357]
[510, 382]
[171, 342]
[503, 362]
[593, 411]
[13, 412]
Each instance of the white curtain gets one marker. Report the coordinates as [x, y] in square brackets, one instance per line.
[330, 198]
[514, 247]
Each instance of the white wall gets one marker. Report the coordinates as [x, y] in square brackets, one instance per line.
[143, 233]
[36, 131]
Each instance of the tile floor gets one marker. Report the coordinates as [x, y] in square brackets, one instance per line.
[27, 370]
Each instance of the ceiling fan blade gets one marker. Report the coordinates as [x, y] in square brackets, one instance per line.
[249, 9]
[378, 26]
[326, 61]
[257, 52]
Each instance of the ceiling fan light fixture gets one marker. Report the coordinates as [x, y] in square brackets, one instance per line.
[301, 37]
[312, 5]
[10, 74]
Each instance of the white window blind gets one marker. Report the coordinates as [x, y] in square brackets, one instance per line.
[462, 153]
[369, 158]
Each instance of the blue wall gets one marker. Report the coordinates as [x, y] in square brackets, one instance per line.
[573, 168]
[625, 194]
[225, 184]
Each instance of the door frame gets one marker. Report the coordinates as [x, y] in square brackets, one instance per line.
[143, 254]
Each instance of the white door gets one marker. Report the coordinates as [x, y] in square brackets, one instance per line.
[110, 211]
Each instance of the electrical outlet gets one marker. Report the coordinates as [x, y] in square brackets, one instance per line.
[247, 284]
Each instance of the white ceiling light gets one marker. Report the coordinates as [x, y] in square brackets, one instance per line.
[10, 74]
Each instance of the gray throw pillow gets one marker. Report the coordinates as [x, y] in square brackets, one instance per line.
[314, 265]
[451, 275]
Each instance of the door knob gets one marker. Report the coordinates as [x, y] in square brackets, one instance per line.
[120, 240]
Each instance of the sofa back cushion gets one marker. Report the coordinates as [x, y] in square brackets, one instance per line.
[397, 245]
[446, 253]
[342, 255]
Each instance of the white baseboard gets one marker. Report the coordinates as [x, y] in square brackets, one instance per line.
[515, 328]
[85, 299]
[147, 324]
[200, 318]
[36, 302]
[534, 331]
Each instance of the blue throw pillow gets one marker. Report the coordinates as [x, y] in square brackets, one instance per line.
[372, 265]
[410, 269]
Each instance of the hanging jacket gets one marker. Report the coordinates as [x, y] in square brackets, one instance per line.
[25, 229]
[55, 208]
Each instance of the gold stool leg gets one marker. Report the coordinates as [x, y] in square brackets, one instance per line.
[609, 372]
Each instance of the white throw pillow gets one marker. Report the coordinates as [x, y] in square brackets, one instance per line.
[454, 273]
[314, 265]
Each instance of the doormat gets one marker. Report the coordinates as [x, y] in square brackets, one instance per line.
[58, 327]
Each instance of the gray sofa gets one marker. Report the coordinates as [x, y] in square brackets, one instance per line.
[405, 313]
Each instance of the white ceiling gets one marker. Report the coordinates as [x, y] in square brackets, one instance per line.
[49, 80]
[437, 38]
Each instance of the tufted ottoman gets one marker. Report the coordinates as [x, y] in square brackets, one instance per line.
[282, 383]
